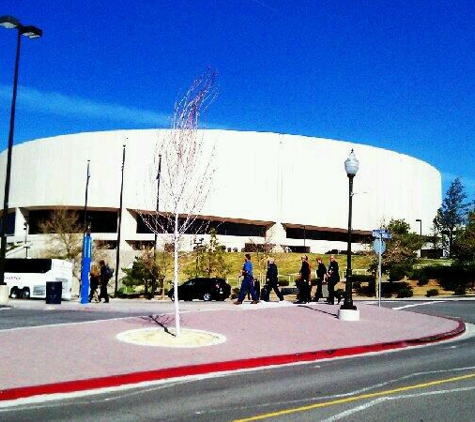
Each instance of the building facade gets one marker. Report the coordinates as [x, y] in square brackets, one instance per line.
[286, 190]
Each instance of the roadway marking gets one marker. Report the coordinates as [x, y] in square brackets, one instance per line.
[381, 400]
[356, 398]
[419, 304]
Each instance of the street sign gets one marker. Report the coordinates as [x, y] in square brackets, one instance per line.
[381, 233]
[379, 246]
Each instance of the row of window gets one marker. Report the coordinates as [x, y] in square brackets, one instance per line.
[107, 222]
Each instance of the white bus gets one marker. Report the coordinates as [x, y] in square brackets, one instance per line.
[27, 278]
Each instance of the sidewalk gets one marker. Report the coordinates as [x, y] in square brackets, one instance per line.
[88, 355]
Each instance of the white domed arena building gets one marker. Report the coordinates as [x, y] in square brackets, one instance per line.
[268, 188]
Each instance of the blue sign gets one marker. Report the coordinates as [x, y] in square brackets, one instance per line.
[381, 233]
[379, 246]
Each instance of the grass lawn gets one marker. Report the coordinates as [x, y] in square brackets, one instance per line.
[289, 266]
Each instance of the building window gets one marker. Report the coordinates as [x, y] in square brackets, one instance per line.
[101, 221]
[200, 226]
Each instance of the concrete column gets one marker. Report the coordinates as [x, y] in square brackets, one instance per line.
[129, 229]
[277, 235]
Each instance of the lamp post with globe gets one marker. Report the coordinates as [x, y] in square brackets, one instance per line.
[348, 310]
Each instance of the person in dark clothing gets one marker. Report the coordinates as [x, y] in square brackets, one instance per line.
[106, 275]
[333, 279]
[304, 282]
[94, 281]
[272, 280]
[320, 273]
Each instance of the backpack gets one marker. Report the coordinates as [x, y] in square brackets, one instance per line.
[108, 273]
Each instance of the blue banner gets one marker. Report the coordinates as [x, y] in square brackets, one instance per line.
[85, 267]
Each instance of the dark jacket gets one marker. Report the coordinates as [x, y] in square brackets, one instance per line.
[305, 270]
[321, 270]
[272, 273]
[334, 271]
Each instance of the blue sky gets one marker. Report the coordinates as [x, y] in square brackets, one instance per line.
[393, 74]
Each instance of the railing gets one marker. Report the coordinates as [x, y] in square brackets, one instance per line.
[291, 278]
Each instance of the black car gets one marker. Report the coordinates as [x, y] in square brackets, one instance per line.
[203, 288]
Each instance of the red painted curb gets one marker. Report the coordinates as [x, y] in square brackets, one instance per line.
[207, 368]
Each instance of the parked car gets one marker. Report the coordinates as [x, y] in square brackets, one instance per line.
[203, 288]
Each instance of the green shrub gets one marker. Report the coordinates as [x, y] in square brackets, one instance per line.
[283, 283]
[361, 278]
[415, 274]
[398, 272]
[388, 289]
[460, 290]
[405, 293]
[432, 292]
[423, 280]
[369, 290]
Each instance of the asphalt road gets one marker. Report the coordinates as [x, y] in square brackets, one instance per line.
[431, 383]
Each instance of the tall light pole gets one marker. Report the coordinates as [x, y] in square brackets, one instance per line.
[159, 173]
[198, 244]
[418, 220]
[86, 245]
[86, 195]
[25, 227]
[9, 22]
[119, 224]
[351, 168]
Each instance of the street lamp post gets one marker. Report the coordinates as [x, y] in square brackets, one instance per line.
[86, 245]
[9, 22]
[157, 208]
[159, 172]
[119, 224]
[198, 244]
[25, 227]
[351, 168]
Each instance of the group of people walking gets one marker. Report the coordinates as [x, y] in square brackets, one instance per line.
[323, 276]
[99, 277]
[329, 277]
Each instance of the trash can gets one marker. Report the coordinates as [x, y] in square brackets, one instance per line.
[54, 290]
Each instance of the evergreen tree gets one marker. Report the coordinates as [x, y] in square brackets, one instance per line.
[464, 244]
[401, 249]
[452, 214]
[212, 262]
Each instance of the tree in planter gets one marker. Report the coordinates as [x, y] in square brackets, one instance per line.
[452, 214]
[187, 172]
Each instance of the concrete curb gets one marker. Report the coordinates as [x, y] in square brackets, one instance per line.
[216, 367]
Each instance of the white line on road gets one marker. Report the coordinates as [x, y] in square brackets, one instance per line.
[418, 304]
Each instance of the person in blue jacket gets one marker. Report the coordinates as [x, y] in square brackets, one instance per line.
[247, 282]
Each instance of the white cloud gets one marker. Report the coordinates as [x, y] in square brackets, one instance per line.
[50, 102]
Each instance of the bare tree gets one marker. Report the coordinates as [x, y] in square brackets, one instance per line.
[65, 231]
[187, 172]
